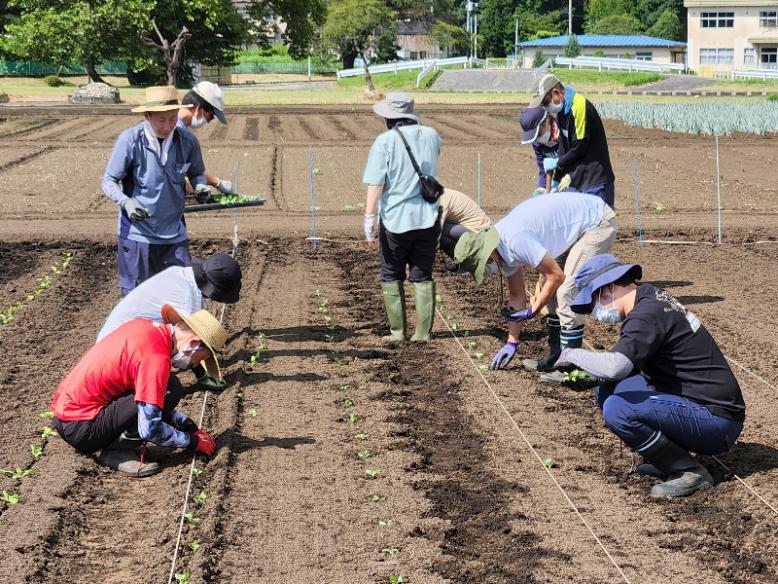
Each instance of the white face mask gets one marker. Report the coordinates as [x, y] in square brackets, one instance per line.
[183, 359]
[604, 314]
[554, 108]
[198, 123]
[545, 139]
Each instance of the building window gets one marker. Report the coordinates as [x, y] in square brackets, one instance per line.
[749, 56]
[717, 56]
[768, 19]
[769, 58]
[717, 19]
[644, 56]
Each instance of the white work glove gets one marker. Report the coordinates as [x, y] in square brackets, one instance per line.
[225, 186]
[371, 221]
[202, 193]
[564, 184]
[134, 210]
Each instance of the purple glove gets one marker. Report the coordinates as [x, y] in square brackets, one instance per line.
[517, 315]
[504, 356]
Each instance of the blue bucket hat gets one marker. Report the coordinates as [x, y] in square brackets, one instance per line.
[601, 270]
[530, 120]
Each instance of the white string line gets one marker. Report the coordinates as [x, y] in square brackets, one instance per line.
[750, 373]
[199, 423]
[529, 445]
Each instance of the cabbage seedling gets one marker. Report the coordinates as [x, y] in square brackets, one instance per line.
[385, 522]
[391, 551]
[483, 367]
[329, 339]
[549, 463]
[353, 418]
[364, 454]
[19, 473]
[471, 344]
[195, 545]
[183, 577]
[47, 414]
[197, 471]
[191, 519]
[253, 412]
[37, 451]
[348, 402]
[361, 437]
[576, 375]
[372, 473]
[48, 432]
[376, 498]
[397, 579]
[200, 497]
[343, 374]
[343, 386]
[10, 498]
[478, 355]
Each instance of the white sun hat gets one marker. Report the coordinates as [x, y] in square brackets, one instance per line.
[213, 94]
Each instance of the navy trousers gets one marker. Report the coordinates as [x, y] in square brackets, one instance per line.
[607, 192]
[137, 261]
[635, 411]
[450, 236]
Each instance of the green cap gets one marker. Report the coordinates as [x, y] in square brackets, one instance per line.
[473, 250]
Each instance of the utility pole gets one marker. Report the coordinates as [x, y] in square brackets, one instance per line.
[475, 34]
[569, 19]
[469, 28]
[516, 40]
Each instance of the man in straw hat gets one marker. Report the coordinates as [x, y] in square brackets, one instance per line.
[121, 393]
[534, 233]
[408, 228]
[145, 178]
[665, 388]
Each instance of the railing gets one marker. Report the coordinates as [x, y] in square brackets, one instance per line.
[29, 68]
[754, 74]
[407, 66]
[618, 64]
[503, 63]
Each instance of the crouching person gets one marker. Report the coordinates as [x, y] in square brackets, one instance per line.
[665, 389]
[122, 394]
[459, 214]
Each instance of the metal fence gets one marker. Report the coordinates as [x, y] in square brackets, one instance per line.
[300, 67]
[398, 66]
[753, 74]
[618, 64]
[34, 68]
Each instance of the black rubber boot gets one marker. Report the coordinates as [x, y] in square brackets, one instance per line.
[685, 474]
[127, 441]
[554, 348]
[649, 470]
[394, 302]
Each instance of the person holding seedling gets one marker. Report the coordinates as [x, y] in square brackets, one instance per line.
[459, 214]
[665, 388]
[534, 233]
[145, 177]
[540, 129]
[217, 277]
[121, 393]
[583, 146]
[408, 229]
[200, 105]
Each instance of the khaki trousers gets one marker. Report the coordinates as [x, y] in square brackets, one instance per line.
[595, 241]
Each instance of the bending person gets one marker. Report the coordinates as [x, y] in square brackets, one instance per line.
[665, 388]
[459, 214]
[540, 129]
[408, 230]
[121, 393]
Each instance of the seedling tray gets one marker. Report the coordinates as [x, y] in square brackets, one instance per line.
[216, 206]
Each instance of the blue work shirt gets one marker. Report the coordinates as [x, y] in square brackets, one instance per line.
[402, 207]
[159, 189]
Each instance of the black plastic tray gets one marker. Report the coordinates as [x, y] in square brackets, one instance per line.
[215, 206]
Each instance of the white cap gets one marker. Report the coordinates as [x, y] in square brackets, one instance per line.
[211, 93]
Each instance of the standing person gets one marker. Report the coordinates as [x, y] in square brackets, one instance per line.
[534, 233]
[408, 226]
[459, 214]
[540, 129]
[201, 104]
[145, 178]
[583, 147]
[665, 388]
[121, 393]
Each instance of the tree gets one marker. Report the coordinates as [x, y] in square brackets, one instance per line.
[573, 49]
[537, 26]
[495, 24]
[449, 36]
[667, 26]
[302, 18]
[617, 24]
[600, 9]
[354, 26]
[538, 59]
[87, 32]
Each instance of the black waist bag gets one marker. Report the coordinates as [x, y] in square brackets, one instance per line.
[431, 189]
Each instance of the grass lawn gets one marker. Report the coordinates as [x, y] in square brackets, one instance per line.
[590, 80]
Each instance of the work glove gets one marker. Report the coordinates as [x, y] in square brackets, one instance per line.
[515, 315]
[550, 163]
[134, 210]
[202, 442]
[188, 426]
[202, 193]
[504, 356]
[225, 186]
[209, 382]
[564, 184]
[370, 223]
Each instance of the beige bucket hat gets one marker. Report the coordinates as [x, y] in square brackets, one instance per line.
[397, 105]
[207, 329]
[160, 98]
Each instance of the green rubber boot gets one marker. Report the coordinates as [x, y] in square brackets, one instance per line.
[394, 302]
[425, 310]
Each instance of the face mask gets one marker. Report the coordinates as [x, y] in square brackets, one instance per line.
[183, 359]
[554, 108]
[604, 314]
[491, 269]
[545, 139]
[198, 123]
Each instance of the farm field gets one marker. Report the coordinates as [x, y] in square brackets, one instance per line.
[345, 459]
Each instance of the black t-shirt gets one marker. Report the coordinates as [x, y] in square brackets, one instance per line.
[669, 345]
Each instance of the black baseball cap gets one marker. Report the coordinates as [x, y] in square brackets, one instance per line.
[218, 277]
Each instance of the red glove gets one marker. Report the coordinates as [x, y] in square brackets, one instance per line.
[202, 443]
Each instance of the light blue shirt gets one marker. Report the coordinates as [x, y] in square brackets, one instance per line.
[134, 170]
[550, 224]
[402, 207]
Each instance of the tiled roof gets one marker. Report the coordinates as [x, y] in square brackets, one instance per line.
[605, 40]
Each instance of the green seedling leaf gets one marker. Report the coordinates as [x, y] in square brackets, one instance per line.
[327, 318]
[343, 374]
[353, 418]
[317, 293]
[191, 519]
[195, 545]
[391, 551]
[200, 497]
[660, 208]
[37, 451]
[197, 471]
[349, 208]
[471, 344]
[576, 375]
[47, 414]
[343, 386]
[397, 579]
[330, 339]
[19, 473]
[317, 171]
[478, 355]
[386, 522]
[454, 326]
[372, 473]
[376, 498]
[364, 454]
[438, 299]
[361, 437]
[48, 432]
[183, 577]
[10, 498]
[261, 335]
[549, 463]
[253, 412]
[347, 403]
[483, 367]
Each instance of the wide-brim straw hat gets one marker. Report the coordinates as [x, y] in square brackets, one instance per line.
[163, 98]
[397, 105]
[207, 329]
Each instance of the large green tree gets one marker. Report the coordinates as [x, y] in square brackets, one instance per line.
[449, 36]
[302, 19]
[496, 26]
[597, 10]
[667, 26]
[616, 24]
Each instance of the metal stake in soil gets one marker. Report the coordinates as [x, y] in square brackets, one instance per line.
[314, 227]
[478, 177]
[718, 185]
[636, 184]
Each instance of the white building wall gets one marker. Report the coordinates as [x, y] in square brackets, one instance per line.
[658, 54]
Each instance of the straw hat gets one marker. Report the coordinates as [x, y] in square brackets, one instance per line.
[160, 99]
[207, 329]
